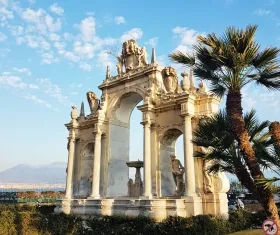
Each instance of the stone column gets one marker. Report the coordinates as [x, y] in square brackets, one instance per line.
[95, 194]
[147, 160]
[188, 153]
[70, 166]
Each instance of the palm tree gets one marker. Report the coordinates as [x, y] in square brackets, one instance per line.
[225, 155]
[229, 63]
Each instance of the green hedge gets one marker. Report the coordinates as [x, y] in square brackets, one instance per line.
[31, 220]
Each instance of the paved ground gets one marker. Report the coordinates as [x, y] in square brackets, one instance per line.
[249, 232]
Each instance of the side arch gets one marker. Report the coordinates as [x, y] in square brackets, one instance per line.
[167, 147]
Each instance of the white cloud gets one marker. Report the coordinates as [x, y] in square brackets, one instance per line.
[55, 8]
[184, 49]
[3, 37]
[16, 30]
[103, 59]
[5, 15]
[60, 46]
[53, 25]
[85, 66]
[53, 90]
[83, 50]
[152, 41]
[262, 12]
[68, 36]
[135, 34]
[249, 102]
[90, 13]
[54, 37]
[41, 21]
[37, 100]
[73, 93]
[87, 28]
[70, 55]
[33, 86]
[119, 20]
[7, 80]
[23, 70]
[187, 36]
[48, 58]
[30, 15]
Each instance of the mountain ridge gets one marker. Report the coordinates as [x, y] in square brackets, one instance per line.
[53, 173]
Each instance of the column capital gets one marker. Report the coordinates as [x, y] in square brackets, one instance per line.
[186, 115]
[146, 123]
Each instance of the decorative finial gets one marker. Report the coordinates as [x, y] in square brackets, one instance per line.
[185, 83]
[74, 113]
[153, 59]
[192, 85]
[202, 87]
[108, 72]
[82, 111]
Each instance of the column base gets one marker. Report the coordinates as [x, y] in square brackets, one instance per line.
[146, 197]
[93, 197]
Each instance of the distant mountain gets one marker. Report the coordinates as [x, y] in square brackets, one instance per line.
[54, 173]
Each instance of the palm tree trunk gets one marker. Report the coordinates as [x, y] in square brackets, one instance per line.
[245, 178]
[237, 127]
[274, 129]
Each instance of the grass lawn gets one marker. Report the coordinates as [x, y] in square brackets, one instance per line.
[249, 232]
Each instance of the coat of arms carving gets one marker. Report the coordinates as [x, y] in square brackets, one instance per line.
[170, 79]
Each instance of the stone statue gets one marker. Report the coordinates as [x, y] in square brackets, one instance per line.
[142, 57]
[178, 174]
[92, 101]
[120, 65]
[170, 79]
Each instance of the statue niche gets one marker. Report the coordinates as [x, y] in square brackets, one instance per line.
[92, 101]
[170, 79]
[86, 170]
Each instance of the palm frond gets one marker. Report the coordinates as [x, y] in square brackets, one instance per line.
[266, 57]
[180, 57]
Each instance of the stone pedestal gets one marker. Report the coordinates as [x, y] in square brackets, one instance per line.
[158, 209]
[193, 205]
[215, 203]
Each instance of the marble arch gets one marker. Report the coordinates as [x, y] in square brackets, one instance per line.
[169, 109]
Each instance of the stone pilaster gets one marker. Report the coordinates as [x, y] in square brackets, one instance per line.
[188, 154]
[70, 166]
[71, 152]
[95, 194]
[147, 160]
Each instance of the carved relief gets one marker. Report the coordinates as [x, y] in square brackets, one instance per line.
[170, 79]
[207, 179]
[92, 101]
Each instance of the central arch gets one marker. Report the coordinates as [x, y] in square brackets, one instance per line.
[119, 138]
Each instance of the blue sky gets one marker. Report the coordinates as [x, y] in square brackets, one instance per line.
[53, 52]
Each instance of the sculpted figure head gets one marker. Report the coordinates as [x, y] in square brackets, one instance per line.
[92, 101]
[170, 79]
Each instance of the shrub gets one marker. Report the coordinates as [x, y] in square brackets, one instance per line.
[59, 224]
[7, 222]
[31, 220]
